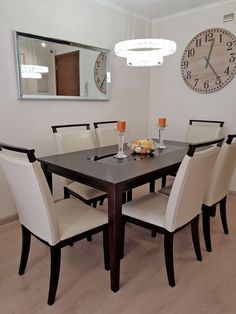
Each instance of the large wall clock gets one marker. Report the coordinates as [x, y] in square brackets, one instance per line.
[100, 72]
[209, 60]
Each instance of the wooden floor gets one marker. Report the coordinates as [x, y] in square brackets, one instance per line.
[84, 287]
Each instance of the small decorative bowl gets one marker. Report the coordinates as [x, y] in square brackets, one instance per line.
[144, 147]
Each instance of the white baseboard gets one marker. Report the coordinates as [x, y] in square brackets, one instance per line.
[232, 193]
[7, 219]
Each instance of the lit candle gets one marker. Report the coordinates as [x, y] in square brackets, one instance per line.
[121, 126]
[162, 122]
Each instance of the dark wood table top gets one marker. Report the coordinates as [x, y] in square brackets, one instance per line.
[106, 171]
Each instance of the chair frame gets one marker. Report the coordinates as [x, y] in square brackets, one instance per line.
[169, 236]
[96, 124]
[55, 127]
[191, 121]
[55, 250]
[67, 191]
[208, 211]
[221, 123]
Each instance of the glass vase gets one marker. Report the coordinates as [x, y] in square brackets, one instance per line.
[120, 154]
[161, 144]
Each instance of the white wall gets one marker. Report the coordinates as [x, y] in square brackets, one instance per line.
[170, 96]
[27, 122]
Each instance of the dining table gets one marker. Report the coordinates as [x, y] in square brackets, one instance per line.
[99, 169]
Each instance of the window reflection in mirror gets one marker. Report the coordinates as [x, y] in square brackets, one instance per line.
[51, 68]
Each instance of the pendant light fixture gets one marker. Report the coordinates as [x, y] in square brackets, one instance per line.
[145, 52]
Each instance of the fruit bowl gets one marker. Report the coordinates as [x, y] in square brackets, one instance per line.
[144, 147]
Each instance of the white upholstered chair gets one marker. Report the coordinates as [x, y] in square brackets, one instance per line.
[70, 138]
[105, 133]
[218, 188]
[200, 131]
[54, 224]
[203, 130]
[168, 215]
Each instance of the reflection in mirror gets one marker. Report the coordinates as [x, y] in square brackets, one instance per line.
[50, 69]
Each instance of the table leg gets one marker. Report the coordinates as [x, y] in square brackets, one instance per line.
[48, 176]
[114, 216]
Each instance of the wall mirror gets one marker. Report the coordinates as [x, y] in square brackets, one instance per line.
[49, 68]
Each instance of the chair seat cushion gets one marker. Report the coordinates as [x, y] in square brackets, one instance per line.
[75, 217]
[150, 208]
[85, 191]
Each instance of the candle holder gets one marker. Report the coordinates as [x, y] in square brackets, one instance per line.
[161, 144]
[120, 154]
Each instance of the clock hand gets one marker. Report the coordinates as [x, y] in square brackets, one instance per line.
[103, 81]
[211, 67]
[209, 54]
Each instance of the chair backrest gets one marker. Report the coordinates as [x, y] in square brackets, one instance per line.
[222, 173]
[30, 191]
[189, 186]
[204, 130]
[105, 133]
[71, 138]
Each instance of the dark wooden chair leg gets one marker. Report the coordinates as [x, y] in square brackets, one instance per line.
[129, 195]
[223, 215]
[89, 238]
[26, 239]
[94, 204]
[106, 249]
[163, 182]
[195, 238]
[152, 186]
[213, 211]
[168, 247]
[66, 192]
[54, 275]
[123, 197]
[206, 227]
[153, 233]
[102, 201]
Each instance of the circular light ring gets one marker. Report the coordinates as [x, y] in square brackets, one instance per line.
[143, 54]
[129, 48]
[31, 68]
[31, 75]
[150, 61]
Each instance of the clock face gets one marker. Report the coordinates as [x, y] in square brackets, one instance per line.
[209, 60]
[100, 73]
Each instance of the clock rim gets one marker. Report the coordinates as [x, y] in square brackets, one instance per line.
[214, 29]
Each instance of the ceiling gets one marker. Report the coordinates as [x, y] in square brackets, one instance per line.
[156, 9]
